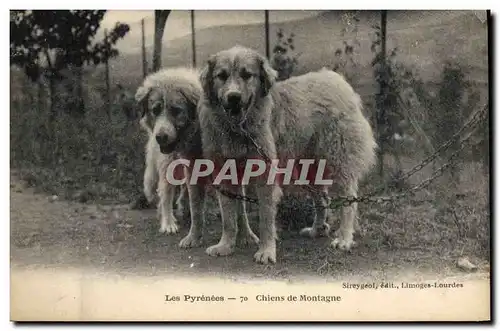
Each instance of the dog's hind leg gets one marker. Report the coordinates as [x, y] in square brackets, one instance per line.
[348, 222]
[320, 227]
[168, 221]
[245, 235]
[182, 202]
[150, 179]
[197, 201]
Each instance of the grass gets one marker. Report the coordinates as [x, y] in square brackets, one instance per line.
[89, 158]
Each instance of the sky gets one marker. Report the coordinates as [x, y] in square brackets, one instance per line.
[179, 21]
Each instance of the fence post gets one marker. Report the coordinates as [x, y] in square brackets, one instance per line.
[383, 34]
[193, 39]
[380, 118]
[106, 63]
[144, 59]
[266, 26]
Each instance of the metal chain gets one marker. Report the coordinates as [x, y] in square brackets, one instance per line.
[472, 122]
[236, 196]
[370, 197]
[261, 152]
[247, 135]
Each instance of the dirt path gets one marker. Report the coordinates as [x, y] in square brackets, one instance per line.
[46, 232]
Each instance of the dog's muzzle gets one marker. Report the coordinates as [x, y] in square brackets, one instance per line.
[166, 146]
[234, 105]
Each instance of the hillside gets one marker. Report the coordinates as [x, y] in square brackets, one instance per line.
[424, 39]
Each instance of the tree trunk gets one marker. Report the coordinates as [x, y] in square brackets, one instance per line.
[160, 20]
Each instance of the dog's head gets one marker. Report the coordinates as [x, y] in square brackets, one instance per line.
[168, 100]
[236, 78]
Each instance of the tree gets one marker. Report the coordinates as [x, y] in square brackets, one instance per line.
[44, 42]
[160, 21]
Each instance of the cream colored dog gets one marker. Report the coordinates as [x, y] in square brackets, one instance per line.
[155, 183]
[244, 113]
[169, 98]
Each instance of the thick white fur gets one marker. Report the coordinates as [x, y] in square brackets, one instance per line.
[313, 116]
[176, 85]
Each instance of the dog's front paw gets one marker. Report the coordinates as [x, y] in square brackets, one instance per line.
[343, 244]
[191, 240]
[221, 249]
[169, 226]
[247, 238]
[265, 255]
[314, 232]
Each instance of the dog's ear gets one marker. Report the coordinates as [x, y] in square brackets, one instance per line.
[192, 95]
[146, 124]
[141, 98]
[267, 75]
[206, 78]
[142, 93]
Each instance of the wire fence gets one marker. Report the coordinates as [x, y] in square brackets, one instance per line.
[421, 41]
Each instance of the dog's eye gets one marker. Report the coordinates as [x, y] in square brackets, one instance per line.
[175, 111]
[156, 109]
[245, 75]
[222, 75]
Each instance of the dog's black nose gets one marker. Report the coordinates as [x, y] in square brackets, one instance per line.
[234, 99]
[162, 139]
